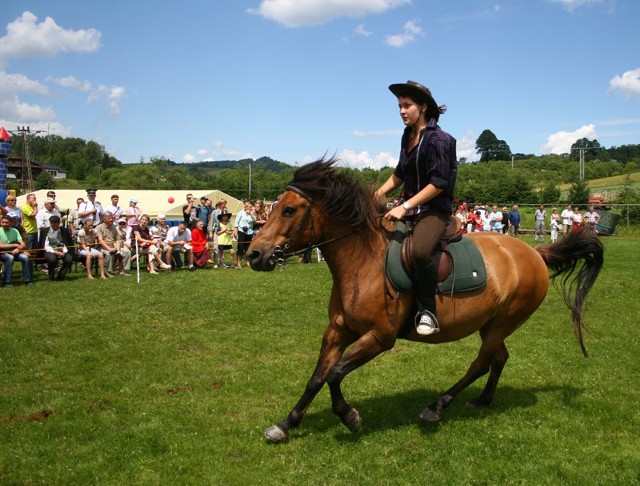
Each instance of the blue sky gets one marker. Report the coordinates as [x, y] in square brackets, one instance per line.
[295, 79]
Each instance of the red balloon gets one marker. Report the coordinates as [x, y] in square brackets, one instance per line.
[171, 200]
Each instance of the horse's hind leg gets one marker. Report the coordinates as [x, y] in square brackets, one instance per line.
[497, 365]
[492, 351]
[330, 353]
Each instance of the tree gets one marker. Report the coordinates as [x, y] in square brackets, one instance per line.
[45, 181]
[592, 149]
[491, 148]
[550, 193]
[579, 193]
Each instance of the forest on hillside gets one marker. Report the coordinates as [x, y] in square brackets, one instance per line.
[498, 176]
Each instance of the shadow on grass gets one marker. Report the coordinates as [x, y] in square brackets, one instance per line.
[382, 413]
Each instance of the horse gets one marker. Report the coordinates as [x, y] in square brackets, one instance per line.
[324, 207]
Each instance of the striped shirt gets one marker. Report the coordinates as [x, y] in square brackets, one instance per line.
[432, 161]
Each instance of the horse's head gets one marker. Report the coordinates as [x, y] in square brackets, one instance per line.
[288, 230]
[321, 205]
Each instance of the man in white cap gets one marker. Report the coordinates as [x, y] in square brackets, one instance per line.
[44, 214]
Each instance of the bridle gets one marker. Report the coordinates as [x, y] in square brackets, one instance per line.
[280, 254]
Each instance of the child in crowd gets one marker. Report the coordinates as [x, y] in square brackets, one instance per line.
[224, 231]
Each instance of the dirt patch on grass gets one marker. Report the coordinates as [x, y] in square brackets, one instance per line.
[34, 417]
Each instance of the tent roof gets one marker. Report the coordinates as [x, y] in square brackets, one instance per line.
[150, 202]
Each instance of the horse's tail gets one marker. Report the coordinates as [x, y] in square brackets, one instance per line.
[579, 252]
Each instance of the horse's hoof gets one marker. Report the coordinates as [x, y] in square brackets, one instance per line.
[276, 434]
[354, 421]
[429, 415]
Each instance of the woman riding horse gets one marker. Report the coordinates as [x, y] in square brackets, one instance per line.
[323, 207]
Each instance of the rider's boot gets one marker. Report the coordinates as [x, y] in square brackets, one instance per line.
[425, 282]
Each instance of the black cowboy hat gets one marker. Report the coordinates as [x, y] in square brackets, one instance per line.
[419, 93]
[220, 215]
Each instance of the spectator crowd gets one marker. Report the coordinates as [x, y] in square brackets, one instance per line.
[108, 241]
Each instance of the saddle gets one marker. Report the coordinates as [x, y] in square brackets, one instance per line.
[458, 263]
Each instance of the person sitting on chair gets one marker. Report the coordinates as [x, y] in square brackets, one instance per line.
[58, 245]
[427, 170]
[13, 247]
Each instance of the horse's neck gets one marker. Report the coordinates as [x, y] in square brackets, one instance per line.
[361, 250]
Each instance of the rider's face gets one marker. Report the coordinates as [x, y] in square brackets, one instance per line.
[410, 111]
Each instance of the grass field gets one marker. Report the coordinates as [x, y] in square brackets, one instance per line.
[173, 381]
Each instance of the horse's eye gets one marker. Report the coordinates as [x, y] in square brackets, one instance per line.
[289, 211]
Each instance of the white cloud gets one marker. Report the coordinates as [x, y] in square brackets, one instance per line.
[188, 158]
[561, 142]
[361, 31]
[113, 95]
[410, 30]
[218, 144]
[571, 5]
[72, 82]
[466, 147]
[28, 38]
[363, 160]
[375, 133]
[203, 152]
[628, 84]
[305, 13]
[18, 83]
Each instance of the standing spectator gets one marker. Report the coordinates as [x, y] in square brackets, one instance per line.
[555, 224]
[190, 212]
[12, 246]
[578, 221]
[224, 232]
[204, 211]
[260, 214]
[244, 231]
[112, 247]
[505, 220]
[90, 208]
[58, 245]
[88, 241]
[44, 214]
[591, 219]
[496, 219]
[29, 224]
[178, 241]
[113, 208]
[567, 219]
[514, 221]
[133, 213]
[540, 216]
[52, 195]
[461, 214]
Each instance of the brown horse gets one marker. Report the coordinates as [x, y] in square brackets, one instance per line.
[322, 207]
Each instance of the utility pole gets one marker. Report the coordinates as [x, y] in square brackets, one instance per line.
[581, 151]
[27, 184]
[249, 180]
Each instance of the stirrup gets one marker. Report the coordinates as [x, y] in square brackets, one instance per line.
[426, 323]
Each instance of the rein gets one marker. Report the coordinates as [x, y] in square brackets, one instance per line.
[280, 254]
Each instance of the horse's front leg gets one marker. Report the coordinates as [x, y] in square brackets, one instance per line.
[333, 345]
[364, 350]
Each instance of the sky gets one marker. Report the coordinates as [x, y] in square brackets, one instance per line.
[297, 79]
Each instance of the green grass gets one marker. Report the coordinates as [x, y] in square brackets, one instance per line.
[173, 381]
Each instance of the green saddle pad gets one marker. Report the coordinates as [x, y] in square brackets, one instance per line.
[468, 272]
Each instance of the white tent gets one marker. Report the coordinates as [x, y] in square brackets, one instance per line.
[150, 202]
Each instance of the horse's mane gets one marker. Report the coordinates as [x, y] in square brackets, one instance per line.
[344, 199]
